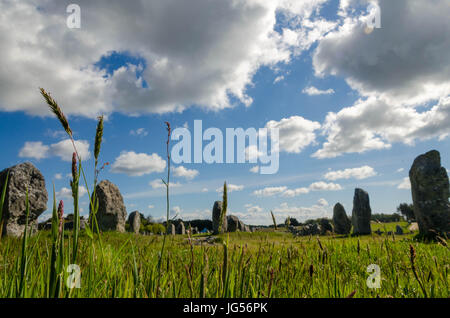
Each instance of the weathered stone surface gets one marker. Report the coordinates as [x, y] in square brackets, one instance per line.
[171, 229]
[398, 230]
[181, 229]
[134, 220]
[22, 177]
[325, 226]
[361, 212]
[310, 229]
[342, 223]
[430, 193]
[234, 224]
[216, 213]
[413, 227]
[68, 225]
[111, 213]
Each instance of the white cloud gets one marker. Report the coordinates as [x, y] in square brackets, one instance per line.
[295, 133]
[137, 164]
[151, 206]
[176, 210]
[278, 79]
[63, 149]
[290, 193]
[324, 186]
[254, 169]
[181, 171]
[400, 71]
[231, 188]
[158, 184]
[57, 176]
[139, 132]
[253, 208]
[372, 124]
[66, 193]
[400, 170]
[269, 191]
[36, 150]
[185, 47]
[356, 173]
[322, 202]
[313, 91]
[405, 184]
[205, 190]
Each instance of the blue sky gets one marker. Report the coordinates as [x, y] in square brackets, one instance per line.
[317, 73]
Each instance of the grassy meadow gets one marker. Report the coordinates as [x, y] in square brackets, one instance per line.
[260, 264]
[264, 264]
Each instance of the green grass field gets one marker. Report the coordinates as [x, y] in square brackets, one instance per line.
[260, 264]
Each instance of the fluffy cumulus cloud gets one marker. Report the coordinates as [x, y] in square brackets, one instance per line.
[158, 184]
[253, 208]
[66, 193]
[356, 173]
[289, 193]
[231, 188]
[269, 191]
[313, 91]
[183, 49]
[138, 164]
[405, 184]
[34, 149]
[63, 149]
[183, 172]
[295, 133]
[324, 186]
[401, 71]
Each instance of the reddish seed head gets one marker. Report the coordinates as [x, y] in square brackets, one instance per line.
[60, 214]
[74, 166]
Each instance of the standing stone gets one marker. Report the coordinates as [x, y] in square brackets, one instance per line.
[134, 220]
[180, 228]
[310, 229]
[430, 193]
[398, 230]
[216, 214]
[233, 223]
[171, 229]
[22, 177]
[342, 224]
[361, 212]
[111, 213]
[325, 226]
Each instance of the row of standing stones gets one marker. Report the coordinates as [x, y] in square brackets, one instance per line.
[429, 188]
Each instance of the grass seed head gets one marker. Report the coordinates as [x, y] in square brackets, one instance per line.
[57, 111]
[98, 137]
